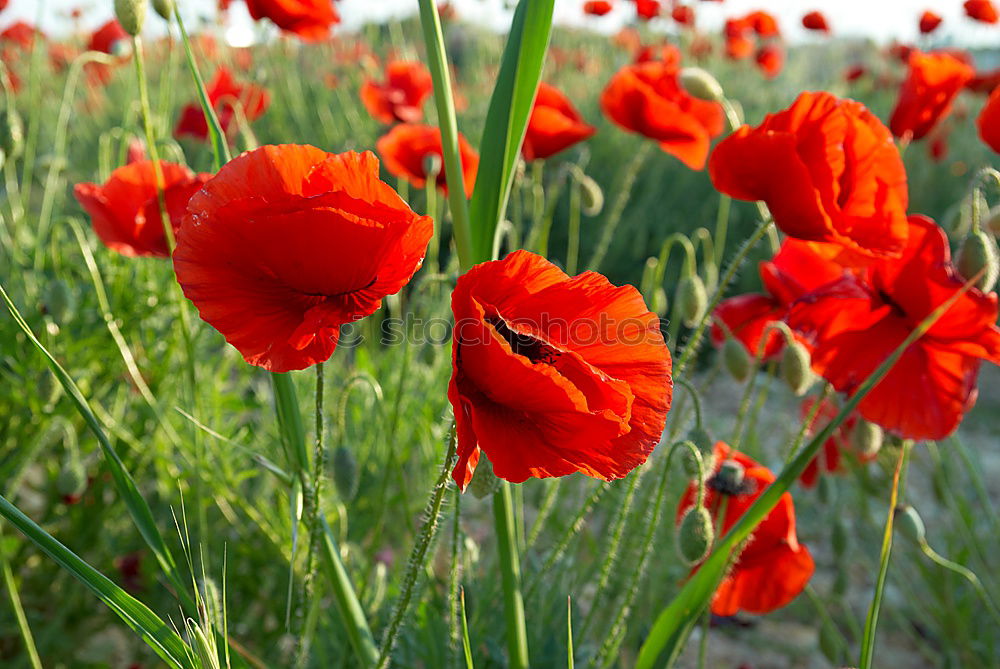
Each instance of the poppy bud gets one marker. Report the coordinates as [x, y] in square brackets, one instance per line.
[165, 8]
[484, 482]
[432, 166]
[592, 196]
[695, 534]
[839, 538]
[59, 301]
[796, 367]
[11, 135]
[736, 359]
[702, 439]
[72, 480]
[700, 84]
[979, 251]
[131, 14]
[345, 473]
[866, 439]
[909, 524]
[692, 300]
[659, 303]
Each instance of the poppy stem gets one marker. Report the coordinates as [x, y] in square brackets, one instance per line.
[871, 622]
[618, 208]
[573, 238]
[510, 571]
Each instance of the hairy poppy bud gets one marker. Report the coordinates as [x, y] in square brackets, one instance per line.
[977, 252]
[695, 534]
[72, 480]
[702, 439]
[659, 303]
[839, 538]
[866, 438]
[432, 165]
[736, 359]
[909, 524]
[131, 14]
[796, 367]
[11, 135]
[345, 473]
[592, 196]
[692, 300]
[484, 482]
[165, 8]
[701, 84]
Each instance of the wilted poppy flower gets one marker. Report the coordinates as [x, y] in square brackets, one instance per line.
[287, 243]
[125, 210]
[770, 59]
[401, 96]
[597, 7]
[838, 443]
[772, 567]
[554, 125]
[554, 374]
[931, 85]
[815, 21]
[683, 14]
[798, 268]
[224, 92]
[989, 121]
[408, 147]
[981, 10]
[763, 23]
[855, 323]
[647, 9]
[310, 20]
[827, 169]
[929, 22]
[647, 98]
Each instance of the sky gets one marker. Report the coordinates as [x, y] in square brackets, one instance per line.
[882, 20]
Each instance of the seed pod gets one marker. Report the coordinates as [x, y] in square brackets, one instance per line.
[866, 439]
[484, 482]
[909, 524]
[736, 359]
[839, 537]
[131, 14]
[729, 479]
[592, 197]
[432, 166]
[695, 535]
[11, 135]
[978, 251]
[692, 300]
[165, 8]
[796, 367]
[345, 473]
[701, 84]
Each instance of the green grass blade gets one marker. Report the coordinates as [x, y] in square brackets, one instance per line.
[141, 514]
[671, 627]
[466, 644]
[15, 603]
[156, 633]
[569, 633]
[507, 119]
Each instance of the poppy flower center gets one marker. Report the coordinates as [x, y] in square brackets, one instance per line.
[522, 344]
[892, 304]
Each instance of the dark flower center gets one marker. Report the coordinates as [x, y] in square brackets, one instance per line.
[531, 348]
[887, 300]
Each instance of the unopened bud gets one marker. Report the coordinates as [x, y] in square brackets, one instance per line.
[165, 8]
[658, 304]
[432, 165]
[909, 524]
[839, 538]
[345, 473]
[796, 367]
[131, 14]
[702, 439]
[978, 252]
[72, 480]
[592, 197]
[700, 84]
[692, 300]
[736, 359]
[695, 534]
[866, 439]
[484, 482]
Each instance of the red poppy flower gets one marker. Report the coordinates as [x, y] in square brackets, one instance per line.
[981, 10]
[855, 72]
[107, 38]
[401, 96]
[683, 14]
[20, 33]
[827, 169]
[984, 82]
[668, 54]
[989, 121]
[834, 447]
[798, 268]
[770, 59]
[287, 243]
[763, 23]
[406, 148]
[224, 92]
[815, 21]
[856, 322]
[554, 125]
[125, 211]
[739, 47]
[931, 85]
[597, 7]
[554, 374]
[3, 5]
[773, 567]
[647, 9]
[647, 98]
[310, 20]
[929, 22]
